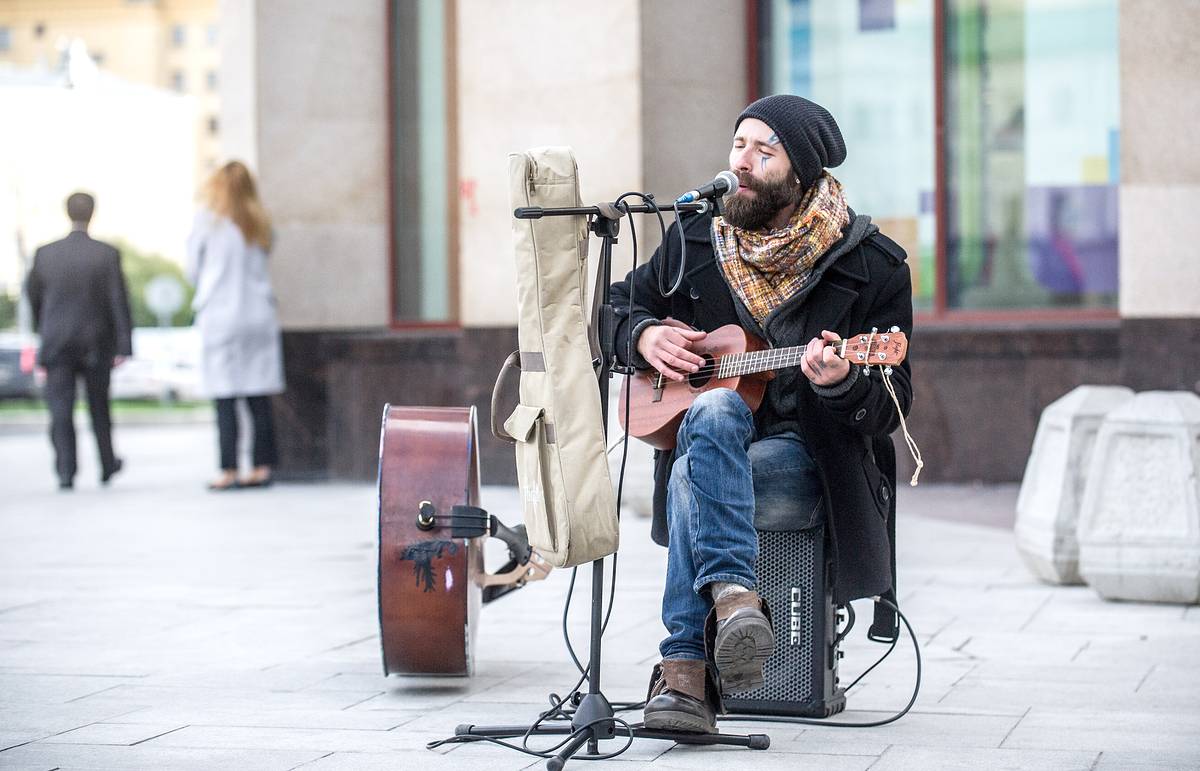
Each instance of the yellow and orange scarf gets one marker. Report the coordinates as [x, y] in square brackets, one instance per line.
[765, 267]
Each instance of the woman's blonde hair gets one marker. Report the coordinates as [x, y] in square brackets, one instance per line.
[231, 192]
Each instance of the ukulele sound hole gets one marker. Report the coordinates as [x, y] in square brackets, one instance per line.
[700, 378]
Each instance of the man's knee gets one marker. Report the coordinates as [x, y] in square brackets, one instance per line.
[678, 485]
[717, 410]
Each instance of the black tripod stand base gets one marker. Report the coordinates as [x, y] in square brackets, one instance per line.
[750, 741]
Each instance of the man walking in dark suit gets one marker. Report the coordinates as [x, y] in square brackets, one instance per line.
[81, 310]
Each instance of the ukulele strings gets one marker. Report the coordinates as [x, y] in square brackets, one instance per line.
[770, 359]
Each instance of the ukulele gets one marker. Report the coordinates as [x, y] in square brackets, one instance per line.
[734, 359]
[431, 579]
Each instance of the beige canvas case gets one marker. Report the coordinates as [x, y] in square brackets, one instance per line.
[567, 496]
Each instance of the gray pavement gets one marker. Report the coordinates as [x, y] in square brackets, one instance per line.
[155, 625]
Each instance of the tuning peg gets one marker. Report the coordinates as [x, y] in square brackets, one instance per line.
[894, 330]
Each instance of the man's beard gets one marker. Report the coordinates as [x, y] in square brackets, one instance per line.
[770, 197]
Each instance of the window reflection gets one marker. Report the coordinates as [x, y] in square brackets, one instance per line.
[1031, 136]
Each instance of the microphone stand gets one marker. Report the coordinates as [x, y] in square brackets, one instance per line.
[593, 720]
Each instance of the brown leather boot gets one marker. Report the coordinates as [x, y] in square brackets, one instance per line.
[742, 641]
[680, 698]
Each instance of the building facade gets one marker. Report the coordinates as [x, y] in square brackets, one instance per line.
[1028, 154]
[170, 44]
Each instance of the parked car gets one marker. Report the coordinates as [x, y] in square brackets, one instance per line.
[165, 365]
[18, 379]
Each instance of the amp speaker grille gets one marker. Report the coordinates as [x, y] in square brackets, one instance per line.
[800, 677]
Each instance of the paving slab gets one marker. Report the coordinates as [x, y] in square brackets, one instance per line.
[120, 734]
[155, 625]
[1147, 759]
[98, 757]
[1114, 730]
[900, 758]
[735, 759]
[410, 761]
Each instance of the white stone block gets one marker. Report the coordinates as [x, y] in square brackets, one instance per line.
[1055, 476]
[1139, 524]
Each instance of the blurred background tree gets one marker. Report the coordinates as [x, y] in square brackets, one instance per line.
[140, 268]
[8, 310]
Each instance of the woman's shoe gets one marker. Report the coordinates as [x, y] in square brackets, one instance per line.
[224, 482]
[260, 477]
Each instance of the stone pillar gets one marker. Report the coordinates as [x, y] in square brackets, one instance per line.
[1139, 525]
[1055, 478]
[238, 81]
[1160, 168]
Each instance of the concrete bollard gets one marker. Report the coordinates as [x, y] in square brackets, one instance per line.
[1139, 524]
[1055, 477]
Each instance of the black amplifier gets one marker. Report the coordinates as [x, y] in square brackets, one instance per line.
[801, 676]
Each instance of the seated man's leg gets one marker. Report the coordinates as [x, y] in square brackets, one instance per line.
[710, 506]
[787, 484]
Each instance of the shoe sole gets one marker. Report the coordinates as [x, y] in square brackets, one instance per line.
[671, 720]
[740, 651]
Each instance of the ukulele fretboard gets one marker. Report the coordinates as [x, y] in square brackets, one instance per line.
[750, 362]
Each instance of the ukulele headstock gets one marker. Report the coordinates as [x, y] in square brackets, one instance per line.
[887, 348]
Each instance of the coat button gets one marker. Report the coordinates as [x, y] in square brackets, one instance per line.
[884, 492]
[860, 414]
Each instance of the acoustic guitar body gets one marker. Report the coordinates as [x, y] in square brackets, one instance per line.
[429, 582]
[658, 404]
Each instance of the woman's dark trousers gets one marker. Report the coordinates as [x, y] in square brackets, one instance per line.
[264, 431]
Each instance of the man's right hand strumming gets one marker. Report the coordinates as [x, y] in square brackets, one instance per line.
[667, 348]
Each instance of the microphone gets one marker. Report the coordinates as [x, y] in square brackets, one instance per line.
[722, 184]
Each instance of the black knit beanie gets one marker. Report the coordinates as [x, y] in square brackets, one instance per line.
[809, 134]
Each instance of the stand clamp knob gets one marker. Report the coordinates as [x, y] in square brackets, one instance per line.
[426, 515]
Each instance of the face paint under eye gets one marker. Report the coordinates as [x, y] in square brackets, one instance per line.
[763, 161]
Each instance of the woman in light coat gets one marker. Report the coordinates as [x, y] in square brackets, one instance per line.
[235, 313]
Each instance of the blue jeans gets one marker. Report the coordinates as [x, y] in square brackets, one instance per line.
[719, 473]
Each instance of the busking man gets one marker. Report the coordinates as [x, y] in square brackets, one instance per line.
[789, 261]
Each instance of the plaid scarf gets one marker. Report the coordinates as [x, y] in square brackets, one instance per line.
[766, 267]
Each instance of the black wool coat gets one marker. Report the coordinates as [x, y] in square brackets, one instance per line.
[864, 283]
[80, 303]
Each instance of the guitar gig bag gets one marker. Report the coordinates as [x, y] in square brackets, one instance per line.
[567, 496]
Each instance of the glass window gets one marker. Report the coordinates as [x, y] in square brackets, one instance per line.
[178, 35]
[1029, 94]
[1032, 114]
[210, 33]
[178, 81]
[870, 63]
[214, 125]
[421, 140]
[5, 39]
[210, 79]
